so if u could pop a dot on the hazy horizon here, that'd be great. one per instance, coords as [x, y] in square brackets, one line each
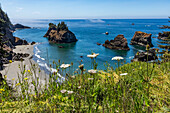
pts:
[86, 9]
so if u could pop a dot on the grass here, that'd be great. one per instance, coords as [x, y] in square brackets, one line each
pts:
[145, 88]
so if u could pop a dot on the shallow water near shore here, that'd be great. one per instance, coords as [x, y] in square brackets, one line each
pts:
[88, 33]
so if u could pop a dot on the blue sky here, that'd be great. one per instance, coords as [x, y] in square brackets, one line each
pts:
[61, 9]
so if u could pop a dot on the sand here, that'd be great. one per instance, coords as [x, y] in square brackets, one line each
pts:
[12, 70]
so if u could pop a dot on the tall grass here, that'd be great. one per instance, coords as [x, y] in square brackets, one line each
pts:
[134, 87]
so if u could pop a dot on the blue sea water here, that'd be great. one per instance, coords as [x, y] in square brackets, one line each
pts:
[88, 33]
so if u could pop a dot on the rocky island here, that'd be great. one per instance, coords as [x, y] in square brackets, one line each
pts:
[119, 43]
[141, 39]
[20, 26]
[60, 33]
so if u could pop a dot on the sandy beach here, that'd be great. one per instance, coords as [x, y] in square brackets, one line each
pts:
[12, 70]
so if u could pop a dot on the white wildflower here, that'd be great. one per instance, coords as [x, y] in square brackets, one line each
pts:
[91, 56]
[123, 74]
[79, 87]
[92, 71]
[65, 66]
[70, 92]
[117, 58]
[63, 91]
[90, 78]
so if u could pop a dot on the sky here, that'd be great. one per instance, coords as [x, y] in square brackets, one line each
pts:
[86, 9]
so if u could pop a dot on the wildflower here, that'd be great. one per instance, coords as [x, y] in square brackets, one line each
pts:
[65, 66]
[70, 92]
[79, 87]
[25, 78]
[10, 61]
[123, 74]
[29, 71]
[92, 71]
[147, 47]
[130, 89]
[96, 54]
[73, 76]
[157, 50]
[90, 78]
[137, 53]
[63, 91]
[55, 97]
[117, 58]
[5, 76]
[1, 90]
[13, 79]
[91, 56]
[17, 84]
[81, 66]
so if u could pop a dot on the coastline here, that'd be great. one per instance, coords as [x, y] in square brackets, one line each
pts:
[12, 70]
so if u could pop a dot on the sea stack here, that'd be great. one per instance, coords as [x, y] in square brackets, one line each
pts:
[119, 43]
[60, 34]
[141, 39]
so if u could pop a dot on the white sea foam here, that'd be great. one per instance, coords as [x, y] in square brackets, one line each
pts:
[37, 50]
[131, 57]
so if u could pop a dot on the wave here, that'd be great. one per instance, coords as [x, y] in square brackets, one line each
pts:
[96, 21]
[52, 70]
[147, 25]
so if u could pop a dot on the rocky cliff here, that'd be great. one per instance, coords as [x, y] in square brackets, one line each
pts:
[60, 33]
[141, 39]
[119, 43]
[8, 41]
[164, 35]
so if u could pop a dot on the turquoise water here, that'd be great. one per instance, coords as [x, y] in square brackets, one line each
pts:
[88, 33]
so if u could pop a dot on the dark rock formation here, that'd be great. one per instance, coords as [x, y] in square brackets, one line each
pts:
[32, 43]
[119, 43]
[142, 56]
[60, 33]
[98, 43]
[61, 46]
[20, 26]
[141, 39]
[19, 41]
[107, 33]
[165, 27]
[164, 36]
[20, 56]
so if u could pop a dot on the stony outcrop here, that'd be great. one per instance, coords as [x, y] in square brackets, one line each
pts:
[20, 26]
[164, 36]
[60, 33]
[142, 56]
[141, 39]
[7, 38]
[19, 41]
[119, 43]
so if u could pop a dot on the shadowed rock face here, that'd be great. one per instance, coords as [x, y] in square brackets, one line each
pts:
[141, 39]
[60, 34]
[142, 56]
[119, 43]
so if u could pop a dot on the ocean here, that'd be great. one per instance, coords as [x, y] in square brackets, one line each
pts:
[88, 33]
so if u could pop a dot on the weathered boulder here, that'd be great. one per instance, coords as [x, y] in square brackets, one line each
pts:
[32, 43]
[19, 41]
[164, 35]
[60, 34]
[142, 56]
[20, 26]
[119, 43]
[141, 39]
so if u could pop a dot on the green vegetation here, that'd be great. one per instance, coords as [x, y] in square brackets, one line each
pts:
[134, 87]
[60, 26]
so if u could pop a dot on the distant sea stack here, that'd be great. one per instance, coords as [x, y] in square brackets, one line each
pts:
[141, 39]
[60, 33]
[119, 43]
[20, 26]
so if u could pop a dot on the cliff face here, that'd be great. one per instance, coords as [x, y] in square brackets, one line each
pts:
[7, 41]
[60, 34]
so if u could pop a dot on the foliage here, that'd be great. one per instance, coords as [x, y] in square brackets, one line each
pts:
[142, 88]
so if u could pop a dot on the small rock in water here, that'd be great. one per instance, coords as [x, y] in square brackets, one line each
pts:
[107, 33]
[98, 43]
